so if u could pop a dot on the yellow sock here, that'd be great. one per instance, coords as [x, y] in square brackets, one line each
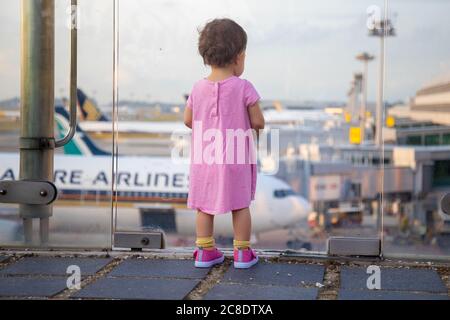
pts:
[206, 243]
[241, 244]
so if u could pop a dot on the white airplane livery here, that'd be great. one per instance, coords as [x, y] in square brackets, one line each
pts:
[93, 120]
[152, 190]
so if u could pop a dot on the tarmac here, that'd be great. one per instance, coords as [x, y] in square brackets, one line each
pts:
[170, 274]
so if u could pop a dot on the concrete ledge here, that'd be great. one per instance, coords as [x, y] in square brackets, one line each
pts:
[354, 246]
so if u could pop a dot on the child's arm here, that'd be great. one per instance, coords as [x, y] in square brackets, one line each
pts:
[188, 117]
[256, 117]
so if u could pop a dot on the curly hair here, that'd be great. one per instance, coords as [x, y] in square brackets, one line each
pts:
[221, 41]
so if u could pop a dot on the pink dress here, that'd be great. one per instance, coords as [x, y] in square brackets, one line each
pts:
[223, 163]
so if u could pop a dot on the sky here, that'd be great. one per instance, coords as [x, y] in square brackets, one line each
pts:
[297, 50]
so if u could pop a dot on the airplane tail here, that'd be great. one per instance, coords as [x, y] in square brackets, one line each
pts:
[88, 109]
[81, 143]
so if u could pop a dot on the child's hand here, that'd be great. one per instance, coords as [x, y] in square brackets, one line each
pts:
[256, 117]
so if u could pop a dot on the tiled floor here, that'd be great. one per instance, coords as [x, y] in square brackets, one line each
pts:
[151, 278]
[54, 266]
[269, 281]
[31, 286]
[228, 291]
[395, 284]
[138, 288]
[165, 268]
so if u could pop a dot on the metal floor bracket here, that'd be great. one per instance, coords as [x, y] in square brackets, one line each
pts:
[138, 240]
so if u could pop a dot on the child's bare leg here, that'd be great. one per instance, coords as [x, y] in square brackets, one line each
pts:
[205, 230]
[242, 225]
[205, 224]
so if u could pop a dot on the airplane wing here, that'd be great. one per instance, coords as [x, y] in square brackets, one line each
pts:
[154, 127]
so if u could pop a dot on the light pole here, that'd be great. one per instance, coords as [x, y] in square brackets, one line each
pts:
[365, 58]
[381, 29]
[351, 99]
[357, 79]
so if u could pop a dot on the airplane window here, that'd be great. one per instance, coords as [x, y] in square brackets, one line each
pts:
[283, 193]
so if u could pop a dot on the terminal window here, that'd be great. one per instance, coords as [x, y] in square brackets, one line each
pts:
[432, 140]
[414, 140]
[446, 138]
[441, 174]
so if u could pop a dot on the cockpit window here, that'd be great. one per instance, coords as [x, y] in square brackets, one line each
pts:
[282, 193]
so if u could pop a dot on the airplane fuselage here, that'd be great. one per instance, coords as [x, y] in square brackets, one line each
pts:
[152, 183]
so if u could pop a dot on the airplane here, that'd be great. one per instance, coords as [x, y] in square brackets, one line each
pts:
[94, 120]
[151, 192]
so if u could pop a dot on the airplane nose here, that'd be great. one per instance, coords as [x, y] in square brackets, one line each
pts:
[300, 209]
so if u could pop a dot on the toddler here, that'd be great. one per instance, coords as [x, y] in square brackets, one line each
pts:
[221, 109]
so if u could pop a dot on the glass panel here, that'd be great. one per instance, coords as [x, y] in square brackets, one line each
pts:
[446, 138]
[414, 140]
[81, 215]
[418, 97]
[9, 111]
[441, 173]
[323, 178]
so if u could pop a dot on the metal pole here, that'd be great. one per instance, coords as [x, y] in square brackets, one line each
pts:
[36, 106]
[379, 125]
[365, 58]
[358, 91]
[364, 103]
[383, 29]
[73, 77]
[379, 110]
[356, 94]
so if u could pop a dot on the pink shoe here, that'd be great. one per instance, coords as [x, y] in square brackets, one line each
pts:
[245, 258]
[207, 258]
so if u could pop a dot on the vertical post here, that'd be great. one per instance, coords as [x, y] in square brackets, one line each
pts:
[358, 93]
[36, 106]
[365, 58]
[364, 104]
[379, 126]
[382, 29]
[379, 108]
